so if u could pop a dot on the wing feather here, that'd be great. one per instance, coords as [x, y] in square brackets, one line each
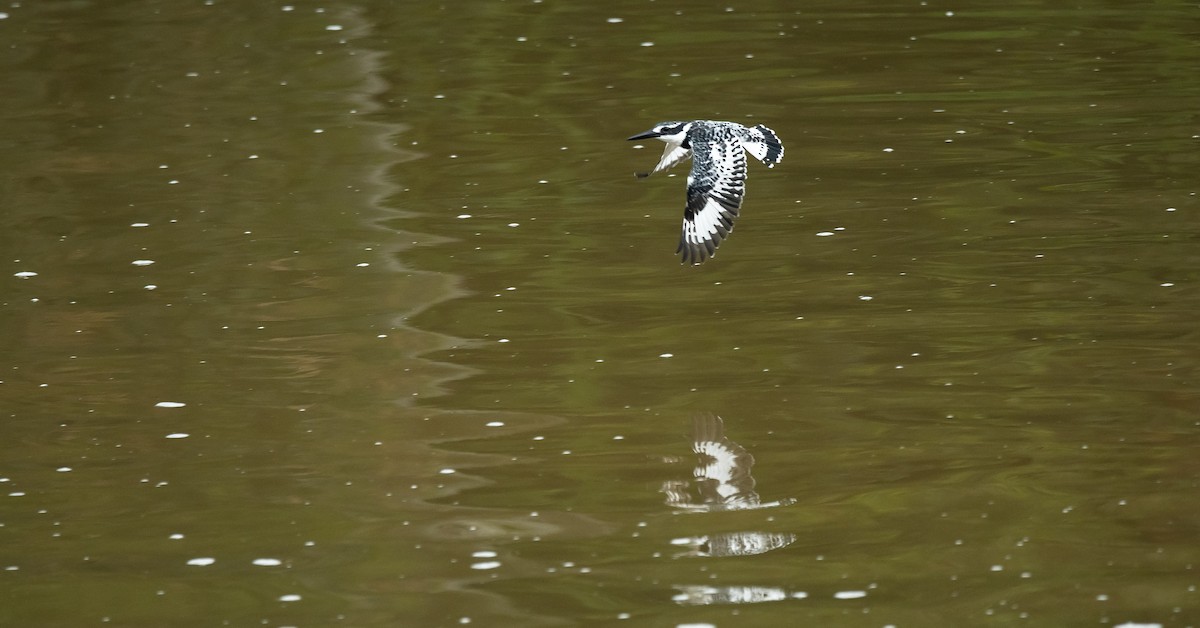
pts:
[672, 155]
[716, 187]
[763, 144]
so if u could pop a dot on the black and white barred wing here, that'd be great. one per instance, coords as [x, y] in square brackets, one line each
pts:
[763, 144]
[716, 186]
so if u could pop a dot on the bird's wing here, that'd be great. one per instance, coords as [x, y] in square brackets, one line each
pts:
[763, 144]
[724, 470]
[672, 154]
[715, 189]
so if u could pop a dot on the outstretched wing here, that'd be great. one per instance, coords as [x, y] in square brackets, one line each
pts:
[763, 144]
[716, 186]
[672, 154]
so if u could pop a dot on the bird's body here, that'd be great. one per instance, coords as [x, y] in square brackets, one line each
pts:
[716, 184]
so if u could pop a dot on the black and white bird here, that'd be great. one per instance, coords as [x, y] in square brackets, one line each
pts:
[717, 182]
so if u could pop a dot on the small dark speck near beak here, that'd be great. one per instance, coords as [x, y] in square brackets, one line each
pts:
[641, 175]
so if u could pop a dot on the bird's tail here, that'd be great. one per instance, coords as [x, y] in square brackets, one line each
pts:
[762, 142]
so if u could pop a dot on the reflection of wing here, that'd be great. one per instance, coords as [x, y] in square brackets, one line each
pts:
[723, 473]
[721, 479]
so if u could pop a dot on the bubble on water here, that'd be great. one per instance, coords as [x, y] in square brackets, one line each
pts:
[267, 562]
[142, 262]
[202, 561]
[25, 274]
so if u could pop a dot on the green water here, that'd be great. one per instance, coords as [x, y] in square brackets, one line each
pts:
[355, 314]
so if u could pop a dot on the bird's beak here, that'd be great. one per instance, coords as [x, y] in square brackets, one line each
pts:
[644, 136]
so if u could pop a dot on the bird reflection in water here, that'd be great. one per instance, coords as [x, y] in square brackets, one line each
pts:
[722, 479]
[721, 482]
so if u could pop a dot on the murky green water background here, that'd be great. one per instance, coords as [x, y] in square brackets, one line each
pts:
[352, 313]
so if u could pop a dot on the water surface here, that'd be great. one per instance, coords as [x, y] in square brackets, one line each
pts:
[354, 314]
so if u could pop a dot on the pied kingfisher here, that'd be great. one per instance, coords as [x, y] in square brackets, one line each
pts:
[717, 182]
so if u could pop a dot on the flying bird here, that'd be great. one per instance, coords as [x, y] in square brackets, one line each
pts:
[717, 181]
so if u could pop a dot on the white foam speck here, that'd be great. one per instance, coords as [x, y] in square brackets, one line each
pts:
[494, 424]
[849, 595]
[290, 597]
[177, 435]
[487, 564]
[201, 562]
[25, 274]
[666, 355]
[142, 262]
[169, 404]
[267, 562]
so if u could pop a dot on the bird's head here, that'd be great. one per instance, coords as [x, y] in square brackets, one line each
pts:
[670, 132]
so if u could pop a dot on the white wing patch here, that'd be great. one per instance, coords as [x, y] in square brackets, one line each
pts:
[672, 154]
[716, 187]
